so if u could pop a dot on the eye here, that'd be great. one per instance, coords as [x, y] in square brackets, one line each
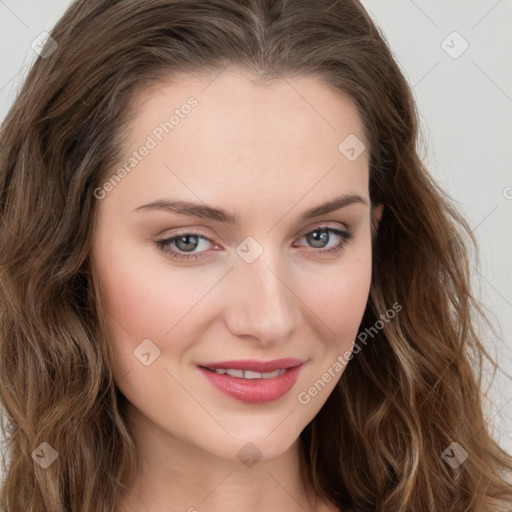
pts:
[182, 245]
[321, 236]
[186, 242]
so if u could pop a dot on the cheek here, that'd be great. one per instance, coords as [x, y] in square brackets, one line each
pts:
[338, 302]
[147, 299]
[338, 294]
[350, 298]
[133, 298]
[141, 292]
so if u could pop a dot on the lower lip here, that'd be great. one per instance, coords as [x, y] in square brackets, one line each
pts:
[254, 391]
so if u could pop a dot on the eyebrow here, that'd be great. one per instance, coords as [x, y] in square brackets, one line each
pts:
[218, 214]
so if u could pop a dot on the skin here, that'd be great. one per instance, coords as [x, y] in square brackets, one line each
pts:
[266, 153]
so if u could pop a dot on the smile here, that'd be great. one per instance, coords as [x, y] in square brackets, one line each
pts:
[253, 382]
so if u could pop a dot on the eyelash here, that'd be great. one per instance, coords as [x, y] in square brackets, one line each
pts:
[163, 245]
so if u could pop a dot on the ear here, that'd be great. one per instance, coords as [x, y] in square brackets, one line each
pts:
[376, 214]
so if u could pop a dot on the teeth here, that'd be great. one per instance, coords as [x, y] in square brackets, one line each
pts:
[253, 375]
[248, 374]
[235, 373]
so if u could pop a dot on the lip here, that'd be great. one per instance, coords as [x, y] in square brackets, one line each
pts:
[254, 391]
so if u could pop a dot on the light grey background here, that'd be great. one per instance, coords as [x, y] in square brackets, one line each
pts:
[465, 105]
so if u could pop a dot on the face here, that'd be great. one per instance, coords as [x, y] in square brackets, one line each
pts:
[212, 249]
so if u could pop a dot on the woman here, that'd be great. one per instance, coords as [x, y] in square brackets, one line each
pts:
[228, 282]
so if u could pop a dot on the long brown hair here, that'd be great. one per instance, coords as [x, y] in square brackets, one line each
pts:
[412, 391]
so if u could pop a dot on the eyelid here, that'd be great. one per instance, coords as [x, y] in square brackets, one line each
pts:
[324, 225]
[304, 231]
[190, 231]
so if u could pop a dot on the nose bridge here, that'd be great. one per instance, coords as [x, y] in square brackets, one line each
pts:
[263, 304]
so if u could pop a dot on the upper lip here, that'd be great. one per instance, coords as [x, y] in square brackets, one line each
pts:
[255, 365]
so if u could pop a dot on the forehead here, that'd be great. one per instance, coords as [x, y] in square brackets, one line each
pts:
[243, 137]
[239, 103]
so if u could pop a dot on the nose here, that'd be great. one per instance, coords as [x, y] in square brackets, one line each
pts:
[262, 304]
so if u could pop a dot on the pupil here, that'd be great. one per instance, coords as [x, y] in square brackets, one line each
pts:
[186, 240]
[319, 237]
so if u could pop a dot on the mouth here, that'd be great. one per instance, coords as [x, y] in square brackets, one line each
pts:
[253, 381]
